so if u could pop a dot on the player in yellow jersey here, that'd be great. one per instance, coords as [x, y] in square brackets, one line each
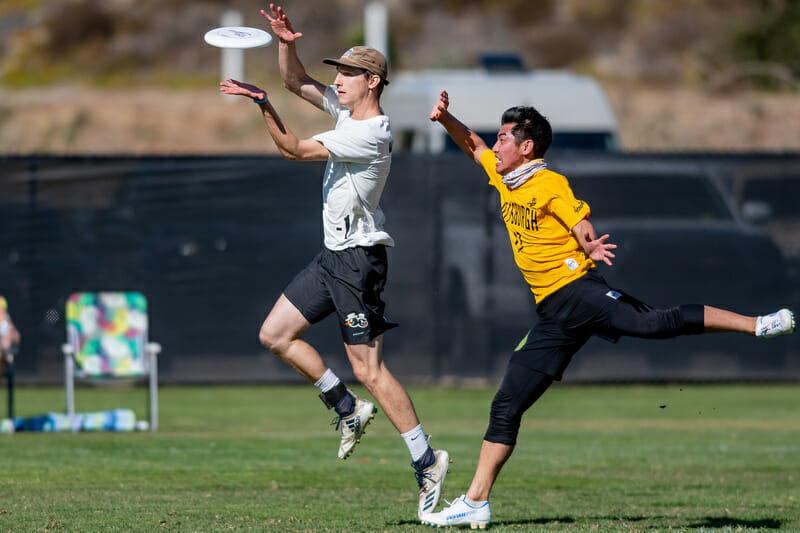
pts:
[555, 247]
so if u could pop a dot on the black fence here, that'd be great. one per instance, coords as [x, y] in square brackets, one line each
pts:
[212, 241]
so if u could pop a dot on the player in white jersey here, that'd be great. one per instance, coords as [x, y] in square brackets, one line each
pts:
[347, 277]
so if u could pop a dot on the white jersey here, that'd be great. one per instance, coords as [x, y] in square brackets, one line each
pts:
[358, 165]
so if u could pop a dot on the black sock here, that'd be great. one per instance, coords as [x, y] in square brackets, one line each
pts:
[339, 398]
[426, 460]
[346, 405]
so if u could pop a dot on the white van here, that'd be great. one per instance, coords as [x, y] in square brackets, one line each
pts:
[575, 105]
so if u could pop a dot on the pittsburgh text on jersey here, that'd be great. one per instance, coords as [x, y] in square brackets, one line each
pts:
[520, 215]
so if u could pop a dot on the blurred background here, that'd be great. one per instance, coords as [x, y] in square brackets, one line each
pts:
[118, 76]
[122, 167]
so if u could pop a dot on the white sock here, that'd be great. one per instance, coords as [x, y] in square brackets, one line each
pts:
[416, 441]
[328, 381]
[473, 503]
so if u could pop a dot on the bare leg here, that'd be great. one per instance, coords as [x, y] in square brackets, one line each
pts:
[491, 460]
[369, 369]
[720, 320]
[280, 333]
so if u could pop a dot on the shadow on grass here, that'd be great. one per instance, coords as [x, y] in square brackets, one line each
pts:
[716, 522]
[708, 522]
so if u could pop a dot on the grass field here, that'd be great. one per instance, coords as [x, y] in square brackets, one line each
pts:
[263, 458]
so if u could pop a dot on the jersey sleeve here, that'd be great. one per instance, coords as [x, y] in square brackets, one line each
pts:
[330, 102]
[488, 161]
[563, 204]
[346, 146]
[358, 141]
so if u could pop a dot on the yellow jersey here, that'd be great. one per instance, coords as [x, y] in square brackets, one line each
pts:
[539, 216]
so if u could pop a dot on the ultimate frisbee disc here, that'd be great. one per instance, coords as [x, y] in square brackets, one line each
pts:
[238, 37]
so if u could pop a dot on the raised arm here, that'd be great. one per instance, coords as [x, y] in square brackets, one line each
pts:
[289, 145]
[292, 70]
[466, 139]
[596, 248]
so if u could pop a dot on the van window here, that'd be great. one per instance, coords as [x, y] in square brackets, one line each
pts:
[781, 193]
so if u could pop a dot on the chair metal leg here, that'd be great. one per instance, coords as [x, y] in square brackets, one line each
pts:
[153, 397]
[69, 380]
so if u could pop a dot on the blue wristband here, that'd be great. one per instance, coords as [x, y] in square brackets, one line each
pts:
[264, 101]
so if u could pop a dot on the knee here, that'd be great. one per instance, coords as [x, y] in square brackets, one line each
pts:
[504, 420]
[272, 339]
[366, 374]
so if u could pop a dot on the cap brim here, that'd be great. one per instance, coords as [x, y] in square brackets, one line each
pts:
[331, 61]
[339, 62]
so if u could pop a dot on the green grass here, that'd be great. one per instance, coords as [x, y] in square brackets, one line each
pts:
[262, 458]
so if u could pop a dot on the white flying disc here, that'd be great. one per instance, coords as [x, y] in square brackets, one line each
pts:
[238, 37]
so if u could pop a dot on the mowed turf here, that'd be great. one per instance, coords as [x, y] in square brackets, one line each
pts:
[263, 458]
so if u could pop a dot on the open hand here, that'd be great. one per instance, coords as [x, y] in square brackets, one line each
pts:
[440, 107]
[281, 26]
[231, 86]
[599, 249]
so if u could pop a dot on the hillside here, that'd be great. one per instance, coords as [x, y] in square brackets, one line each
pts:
[114, 76]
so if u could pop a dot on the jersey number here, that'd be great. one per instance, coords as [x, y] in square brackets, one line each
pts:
[518, 241]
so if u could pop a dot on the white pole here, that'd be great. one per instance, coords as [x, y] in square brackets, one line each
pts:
[376, 26]
[232, 58]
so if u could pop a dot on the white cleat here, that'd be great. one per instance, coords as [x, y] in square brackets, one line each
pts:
[353, 426]
[460, 513]
[431, 481]
[778, 323]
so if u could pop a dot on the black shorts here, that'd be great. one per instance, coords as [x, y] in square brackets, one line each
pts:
[588, 306]
[349, 282]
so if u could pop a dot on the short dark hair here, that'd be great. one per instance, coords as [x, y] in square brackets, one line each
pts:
[529, 125]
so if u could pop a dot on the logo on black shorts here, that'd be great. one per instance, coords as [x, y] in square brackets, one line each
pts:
[356, 320]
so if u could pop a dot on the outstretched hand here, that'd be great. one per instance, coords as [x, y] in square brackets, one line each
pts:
[598, 249]
[440, 107]
[281, 26]
[231, 86]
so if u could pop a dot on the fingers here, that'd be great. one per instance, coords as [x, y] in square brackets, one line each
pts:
[440, 106]
[272, 19]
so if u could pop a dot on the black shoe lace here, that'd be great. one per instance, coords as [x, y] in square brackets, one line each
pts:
[421, 475]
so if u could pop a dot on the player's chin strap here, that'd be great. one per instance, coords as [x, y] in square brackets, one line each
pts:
[517, 177]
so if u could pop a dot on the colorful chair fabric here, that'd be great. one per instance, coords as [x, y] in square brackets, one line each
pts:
[107, 339]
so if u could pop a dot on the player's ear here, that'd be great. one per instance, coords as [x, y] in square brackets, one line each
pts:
[374, 81]
[527, 147]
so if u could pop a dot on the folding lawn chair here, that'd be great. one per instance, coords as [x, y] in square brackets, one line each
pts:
[106, 340]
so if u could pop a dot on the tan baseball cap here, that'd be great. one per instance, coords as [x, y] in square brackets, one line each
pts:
[362, 57]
